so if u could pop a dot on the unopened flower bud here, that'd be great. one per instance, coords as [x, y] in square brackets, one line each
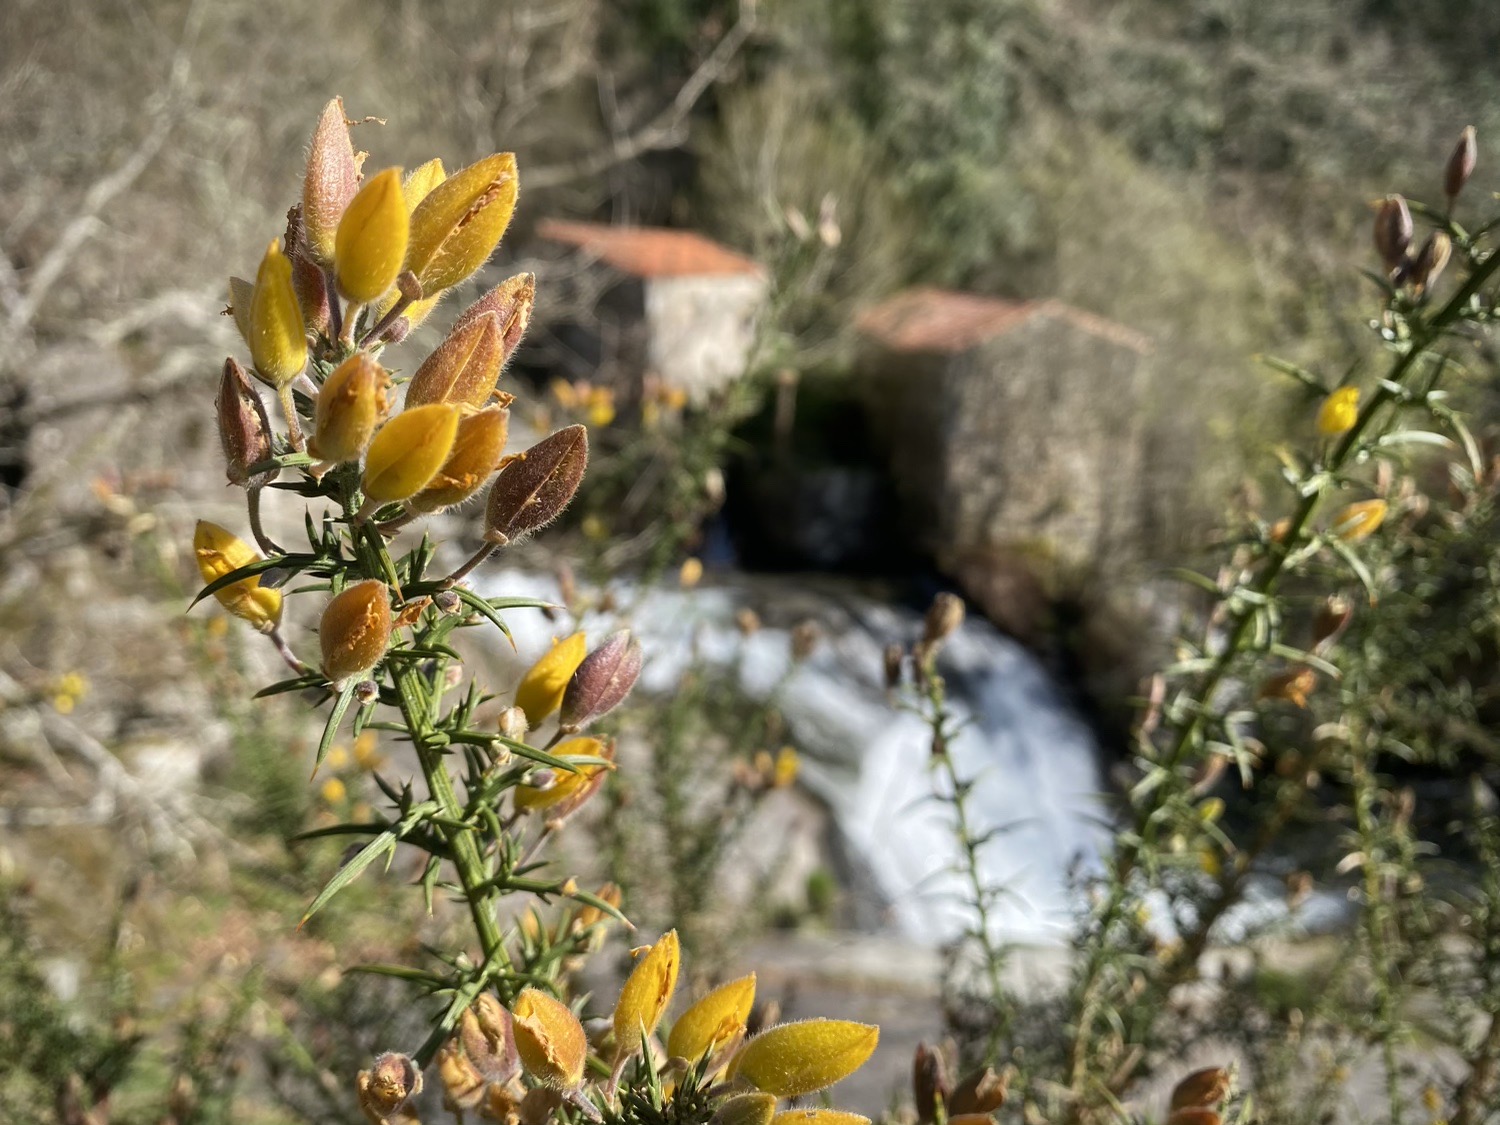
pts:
[943, 618]
[1331, 620]
[1359, 520]
[512, 301]
[513, 724]
[1206, 1087]
[463, 369]
[929, 1082]
[550, 1039]
[1430, 261]
[370, 245]
[799, 1058]
[981, 1091]
[477, 449]
[460, 222]
[331, 179]
[1339, 412]
[1460, 164]
[407, 452]
[828, 1117]
[447, 602]
[602, 681]
[388, 1085]
[278, 345]
[1393, 230]
[531, 492]
[463, 1085]
[244, 429]
[489, 1039]
[355, 630]
[646, 994]
[1193, 1115]
[218, 552]
[308, 281]
[351, 404]
[545, 683]
[746, 1109]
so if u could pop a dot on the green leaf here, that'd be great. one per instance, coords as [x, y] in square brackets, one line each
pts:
[474, 601]
[385, 842]
[330, 729]
[259, 566]
[281, 687]
[1356, 564]
[431, 981]
[1301, 374]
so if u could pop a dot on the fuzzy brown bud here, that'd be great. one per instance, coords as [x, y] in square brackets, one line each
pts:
[531, 492]
[1460, 164]
[929, 1082]
[489, 1040]
[944, 617]
[983, 1091]
[244, 429]
[1430, 261]
[462, 370]
[1206, 1087]
[1393, 231]
[355, 630]
[512, 301]
[388, 1086]
[1331, 620]
[331, 179]
[602, 681]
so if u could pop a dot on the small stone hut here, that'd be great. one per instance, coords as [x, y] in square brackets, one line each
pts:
[1013, 429]
[671, 304]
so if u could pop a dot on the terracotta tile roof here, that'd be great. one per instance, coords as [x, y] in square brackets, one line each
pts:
[649, 251]
[946, 322]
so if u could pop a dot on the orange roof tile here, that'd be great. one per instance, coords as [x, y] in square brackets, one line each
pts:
[649, 251]
[943, 321]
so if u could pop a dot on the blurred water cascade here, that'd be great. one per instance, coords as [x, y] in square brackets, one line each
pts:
[1032, 757]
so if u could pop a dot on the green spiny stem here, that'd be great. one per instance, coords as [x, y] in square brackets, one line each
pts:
[1143, 836]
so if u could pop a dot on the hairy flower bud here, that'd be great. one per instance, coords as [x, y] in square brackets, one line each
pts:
[793, 1059]
[1193, 1115]
[746, 1109]
[550, 1039]
[388, 1085]
[308, 282]
[463, 1085]
[929, 1082]
[981, 1091]
[355, 630]
[513, 724]
[489, 1039]
[218, 552]
[531, 492]
[477, 450]
[542, 689]
[646, 993]
[714, 1022]
[463, 369]
[331, 179]
[512, 301]
[1430, 261]
[351, 404]
[1206, 1087]
[460, 222]
[408, 451]
[370, 245]
[1393, 230]
[244, 429]
[1339, 412]
[278, 345]
[602, 681]
[818, 1117]
[1460, 164]
[1359, 520]
[944, 617]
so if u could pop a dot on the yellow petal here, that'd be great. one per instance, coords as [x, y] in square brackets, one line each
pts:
[567, 788]
[408, 451]
[541, 690]
[1339, 412]
[420, 181]
[460, 222]
[218, 552]
[476, 454]
[278, 345]
[371, 240]
[792, 1059]
[1359, 520]
[549, 1039]
[819, 1117]
[646, 994]
[713, 1021]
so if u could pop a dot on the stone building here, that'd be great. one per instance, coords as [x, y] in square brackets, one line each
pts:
[1014, 433]
[665, 303]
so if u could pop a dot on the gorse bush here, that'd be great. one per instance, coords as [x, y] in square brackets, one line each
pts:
[1346, 652]
[364, 259]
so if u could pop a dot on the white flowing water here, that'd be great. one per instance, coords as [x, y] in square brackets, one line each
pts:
[1033, 761]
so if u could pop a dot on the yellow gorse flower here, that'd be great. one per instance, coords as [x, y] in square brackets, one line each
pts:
[460, 222]
[646, 994]
[541, 690]
[1358, 520]
[371, 242]
[278, 344]
[819, 1117]
[1339, 412]
[476, 453]
[408, 451]
[218, 552]
[714, 1021]
[793, 1059]
[567, 788]
[549, 1039]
